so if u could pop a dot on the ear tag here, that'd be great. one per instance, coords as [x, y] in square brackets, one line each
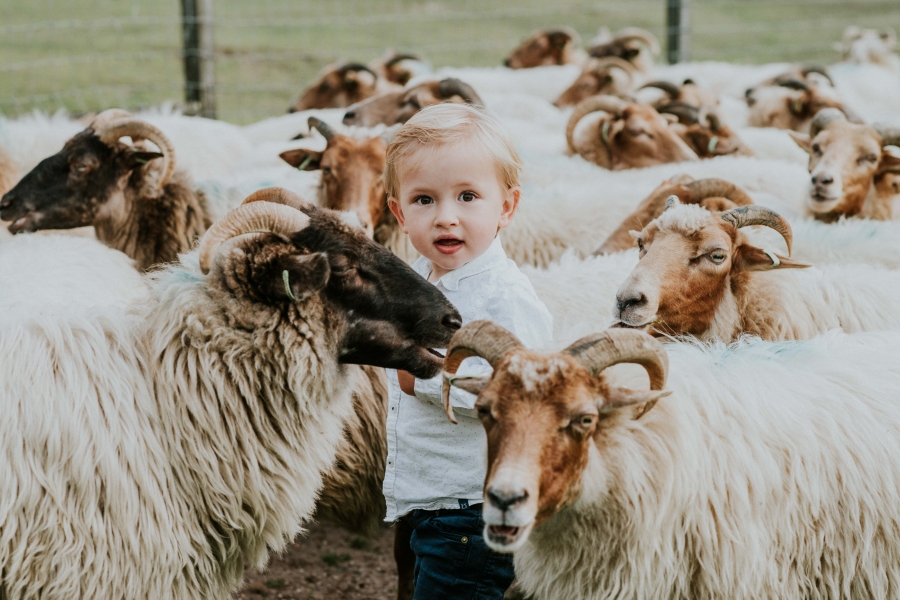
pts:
[140, 161]
[287, 285]
[797, 106]
[713, 142]
[303, 165]
[604, 133]
[776, 262]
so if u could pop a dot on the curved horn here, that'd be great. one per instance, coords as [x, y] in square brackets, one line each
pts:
[823, 118]
[714, 123]
[609, 62]
[400, 57]
[820, 70]
[707, 188]
[569, 31]
[277, 195]
[610, 104]
[354, 67]
[759, 215]
[890, 135]
[636, 33]
[789, 81]
[478, 338]
[451, 86]
[322, 127]
[668, 87]
[685, 112]
[602, 350]
[108, 115]
[258, 217]
[110, 132]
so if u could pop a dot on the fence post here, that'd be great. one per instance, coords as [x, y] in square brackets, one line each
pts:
[678, 30]
[199, 58]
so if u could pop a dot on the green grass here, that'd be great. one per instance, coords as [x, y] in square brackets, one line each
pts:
[335, 559]
[85, 55]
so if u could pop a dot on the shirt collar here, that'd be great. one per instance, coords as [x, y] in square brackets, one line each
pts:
[491, 258]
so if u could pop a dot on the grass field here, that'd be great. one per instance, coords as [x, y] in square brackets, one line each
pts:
[85, 55]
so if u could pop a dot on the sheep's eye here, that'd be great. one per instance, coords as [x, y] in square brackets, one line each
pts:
[867, 158]
[586, 420]
[717, 257]
[484, 413]
[640, 245]
[816, 149]
[326, 171]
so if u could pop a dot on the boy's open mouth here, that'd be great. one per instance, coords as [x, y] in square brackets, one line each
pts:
[448, 244]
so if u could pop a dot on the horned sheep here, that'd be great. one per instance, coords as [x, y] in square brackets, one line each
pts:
[748, 471]
[547, 47]
[400, 105]
[133, 195]
[190, 428]
[340, 85]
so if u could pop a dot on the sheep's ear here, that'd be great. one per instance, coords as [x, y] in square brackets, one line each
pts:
[798, 105]
[139, 158]
[801, 139]
[619, 398]
[634, 234]
[670, 118]
[302, 275]
[890, 160]
[473, 385]
[303, 159]
[751, 258]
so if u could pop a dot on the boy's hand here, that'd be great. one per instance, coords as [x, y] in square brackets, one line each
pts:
[407, 383]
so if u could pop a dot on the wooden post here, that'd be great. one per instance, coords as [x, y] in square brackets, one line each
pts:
[199, 58]
[678, 30]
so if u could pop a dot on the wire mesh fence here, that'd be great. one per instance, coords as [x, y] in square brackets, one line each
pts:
[86, 55]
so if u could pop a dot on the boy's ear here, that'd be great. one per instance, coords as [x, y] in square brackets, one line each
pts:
[394, 205]
[510, 206]
[751, 258]
[303, 159]
[302, 275]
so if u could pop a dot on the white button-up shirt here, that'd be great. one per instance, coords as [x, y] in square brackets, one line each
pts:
[432, 463]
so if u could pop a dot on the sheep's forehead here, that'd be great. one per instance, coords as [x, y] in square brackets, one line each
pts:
[687, 219]
[533, 371]
[846, 136]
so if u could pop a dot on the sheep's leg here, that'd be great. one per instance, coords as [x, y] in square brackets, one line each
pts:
[405, 558]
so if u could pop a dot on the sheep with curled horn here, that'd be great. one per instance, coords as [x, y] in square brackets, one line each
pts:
[197, 405]
[547, 47]
[637, 46]
[341, 84]
[609, 75]
[698, 274]
[711, 194]
[791, 100]
[854, 168]
[398, 68]
[688, 93]
[703, 131]
[131, 193]
[399, 106]
[604, 491]
[628, 135]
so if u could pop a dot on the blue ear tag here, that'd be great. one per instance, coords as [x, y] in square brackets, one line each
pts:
[775, 260]
[604, 134]
[287, 285]
[304, 164]
[140, 161]
[713, 142]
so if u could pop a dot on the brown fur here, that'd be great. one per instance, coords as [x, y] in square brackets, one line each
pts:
[543, 48]
[853, 155]
[640, 137]
[596, 78]
[399, 106]
[774, 104]
[337, 87]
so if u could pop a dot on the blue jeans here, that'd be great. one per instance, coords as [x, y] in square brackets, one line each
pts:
[452, 560]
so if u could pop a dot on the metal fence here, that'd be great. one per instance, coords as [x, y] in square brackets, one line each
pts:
[85, 55]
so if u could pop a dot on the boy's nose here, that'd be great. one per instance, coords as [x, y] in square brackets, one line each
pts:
[446, 214]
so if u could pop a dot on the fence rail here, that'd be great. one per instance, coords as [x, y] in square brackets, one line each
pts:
[86, 55]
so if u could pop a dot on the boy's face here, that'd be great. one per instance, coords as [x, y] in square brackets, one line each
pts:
[451, 204]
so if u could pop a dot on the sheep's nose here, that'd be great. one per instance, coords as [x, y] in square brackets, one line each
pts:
[451, 321]
[349, 116]
[506, 63]
[822, 179]
[630, 301]
[292, 110]
[6, 201]
[504, 499]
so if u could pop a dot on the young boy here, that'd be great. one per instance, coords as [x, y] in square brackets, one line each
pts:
[452, 180]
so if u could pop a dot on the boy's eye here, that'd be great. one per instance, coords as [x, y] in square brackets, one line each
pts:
[423, 200]
[467, 196]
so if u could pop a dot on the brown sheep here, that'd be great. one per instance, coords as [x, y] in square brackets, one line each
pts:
[340, 85]
[637, 46]
[399, 106]
[547, 47]
[608, 75]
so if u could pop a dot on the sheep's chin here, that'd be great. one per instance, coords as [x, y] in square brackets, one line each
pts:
[819, 204]
[504, 538]
[624, 325]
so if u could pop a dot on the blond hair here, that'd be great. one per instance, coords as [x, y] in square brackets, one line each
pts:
[450, 123]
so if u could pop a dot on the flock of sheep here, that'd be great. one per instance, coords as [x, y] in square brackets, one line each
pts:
[178, 381]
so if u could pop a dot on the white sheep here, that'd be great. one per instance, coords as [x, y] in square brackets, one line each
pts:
[151, 449]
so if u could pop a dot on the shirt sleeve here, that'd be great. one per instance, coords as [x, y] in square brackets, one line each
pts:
[515, 307]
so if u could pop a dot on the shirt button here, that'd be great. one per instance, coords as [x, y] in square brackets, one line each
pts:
[393, 407]
[464, 539]
[390, 462]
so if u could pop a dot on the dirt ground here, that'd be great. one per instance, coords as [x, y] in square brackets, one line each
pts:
[328, 564]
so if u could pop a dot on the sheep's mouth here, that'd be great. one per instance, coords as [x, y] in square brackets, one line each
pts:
[624, 325]
[25, 223]
[504, 536]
